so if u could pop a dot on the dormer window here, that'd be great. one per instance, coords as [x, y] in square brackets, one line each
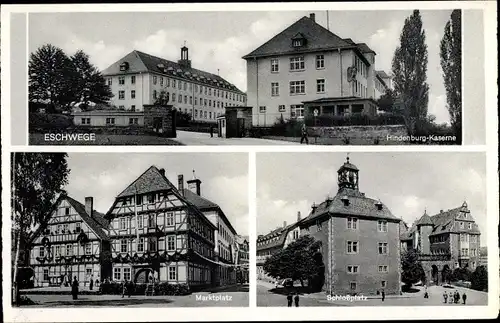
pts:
[345, 200]
[124, 66]
[298, 41]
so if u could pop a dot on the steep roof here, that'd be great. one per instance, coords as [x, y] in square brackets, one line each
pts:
[424, 220]
[359, 206]
[142, 62]
[382, 74]
[95, 221]
[280, 233]
[318, 38]
[364, 48]
[149, 181]
[198, 201]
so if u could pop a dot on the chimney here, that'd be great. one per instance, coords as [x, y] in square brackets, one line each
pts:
[379, 205]
[180, 184]
[314, 207]
[162, 171]
[328, 201]
[89, 205]
[284, 224]
[194, 185]
[298, 216]
[312, 16]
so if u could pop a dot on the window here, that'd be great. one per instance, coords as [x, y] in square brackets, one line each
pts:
[383, 269]
[382, 248]
[110, 81]
[352, 269]
[121, 95]
[185, 97]
[297, 63]
[69, 250]
[140, 245]
[152, 244]
[470, 226]
[297, 87]
[126, 273]
[320, 86]
[161, 81]
[151, 198]
[155, 79]
[210, 115]
[281, 108]
[275, 89]
[382, 226]
[123, 245]
[173, 97]
[117, 274]
[173, 83]
[461, 225]
[352, 223]
[151, 221]
[85, 120]
[132, 94]
[110, 121]
[383, 284]
[132, 79]
[138, 200]
[45, 274]
[133, 121]
[353, 285]
[190, 100]
[205, 114]
[155, 94]
[78, 227]
[275, 68]
[41, 252]
[123, 224]
[88, 249]
[297, 42]
[352, 247]
[140, 222]
[185, 86]
[172, 273]
[262, 109]
[121, 80]
[320, 61]
[170, 243]
[297, 110]
[121, 107]
[196, 113]
[58, 250]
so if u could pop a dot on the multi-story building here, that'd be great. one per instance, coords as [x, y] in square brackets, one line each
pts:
[274, 241]
[156, 232]
[243, 259]
[138, 79]
[72, 243]
[359, 239]
[225, 235]
[306, 68]
[445, 241]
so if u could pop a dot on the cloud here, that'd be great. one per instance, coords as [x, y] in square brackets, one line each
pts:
[101, 54]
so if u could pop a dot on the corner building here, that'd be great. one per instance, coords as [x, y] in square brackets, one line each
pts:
[359, 240]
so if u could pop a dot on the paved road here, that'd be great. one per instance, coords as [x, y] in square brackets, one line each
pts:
[267, 298]
[235, 296]
[203, 139]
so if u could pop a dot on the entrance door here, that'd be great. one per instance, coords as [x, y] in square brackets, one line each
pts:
[143, 276]
[157, 124]
[241, 127]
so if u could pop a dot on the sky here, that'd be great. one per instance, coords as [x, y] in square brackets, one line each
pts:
[217, 40]
[224, 178]
[407, 183]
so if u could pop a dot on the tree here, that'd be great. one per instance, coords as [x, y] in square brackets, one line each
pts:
[50, 77]
[479, 279]
[412, 270]
[298, 261]
[387, 100]
[460, 274]
[183, 118]
[409, 67]
[90, 85]
[451, 63]
[37, 180]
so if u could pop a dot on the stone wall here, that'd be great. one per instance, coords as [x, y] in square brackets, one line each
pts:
[359, 132]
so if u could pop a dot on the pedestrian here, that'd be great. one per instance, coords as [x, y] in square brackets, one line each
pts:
[383, 295]
[289, 299]
[276, 283]
[129, 288]
[445, 296]
[464, 298]
[74, 288]
[457, 297]
[304, 135]
[451, 297]
[124, 288]
[91, 285]
[211, 131]
[97, 282]
[296, 299]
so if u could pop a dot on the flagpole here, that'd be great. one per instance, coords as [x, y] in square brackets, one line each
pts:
[327, 21]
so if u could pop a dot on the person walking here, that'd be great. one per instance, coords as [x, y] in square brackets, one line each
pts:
[445, 296]
[426, 294]
[74, 288]
[451, 297]
[289, 299]
[304, 135]
[91, 285]
[124, 288]
[464, 298]
[129, 288]
[383, 295]
[296, 299]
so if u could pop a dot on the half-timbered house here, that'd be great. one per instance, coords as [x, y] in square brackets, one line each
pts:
[72, 243]
[157, 235]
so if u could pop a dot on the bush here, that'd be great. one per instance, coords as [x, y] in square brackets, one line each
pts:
[355, 120]
[172, 289]
[460, 274]
[286, 128]
[479, 279]
[48, 121]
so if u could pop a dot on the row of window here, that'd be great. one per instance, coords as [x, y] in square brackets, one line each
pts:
[297, 63]
[354, 269]
[65, 228]
[352, 247]
[171, 244]
[352, 224]
[126, 222]
[225, 234]
[88, 274]
[183, 85]
[465, 225]
[224, 253]
[63, 250]
[354, 285]
[296, 110]
[361, 66]
[465, 252]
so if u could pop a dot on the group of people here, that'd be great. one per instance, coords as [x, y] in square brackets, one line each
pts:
[454, 298]
[291, 298]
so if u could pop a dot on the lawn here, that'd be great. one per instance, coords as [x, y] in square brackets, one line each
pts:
[336, 141]
[104, 139]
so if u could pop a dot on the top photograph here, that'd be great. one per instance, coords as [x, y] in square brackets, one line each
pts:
[245, 78]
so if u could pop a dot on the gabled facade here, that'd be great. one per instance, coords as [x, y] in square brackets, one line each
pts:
[73, 243]
[304, 63]
[359, 239]
[138, 78]
[156, 232]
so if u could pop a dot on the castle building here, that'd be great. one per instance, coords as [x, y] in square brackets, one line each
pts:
[307, 68]
[445, 241]
[156, 232]
[273, 242]
[73, 242]
[359, 239]
[138, 79]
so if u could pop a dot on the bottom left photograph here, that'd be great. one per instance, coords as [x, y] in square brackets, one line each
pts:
[129, 229]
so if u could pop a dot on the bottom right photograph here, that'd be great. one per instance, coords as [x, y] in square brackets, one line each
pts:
[371, 229]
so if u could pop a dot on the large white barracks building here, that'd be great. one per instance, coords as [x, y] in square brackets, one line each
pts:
[305, 68]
